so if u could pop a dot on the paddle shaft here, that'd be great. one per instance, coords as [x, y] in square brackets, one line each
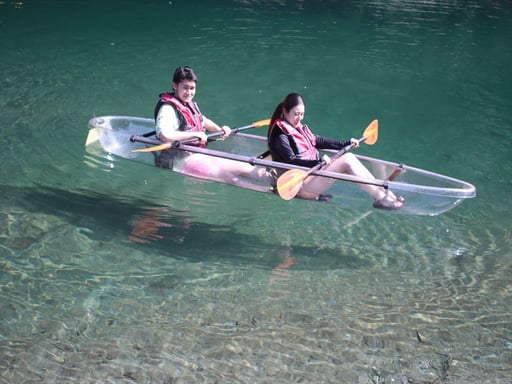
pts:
[177, 143]
[144, 138]
[398, 171]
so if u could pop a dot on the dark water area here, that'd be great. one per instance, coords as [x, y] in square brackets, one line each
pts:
[115, 272]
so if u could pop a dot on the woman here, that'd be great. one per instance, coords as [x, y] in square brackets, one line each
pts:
[178, 117]
[292, 142]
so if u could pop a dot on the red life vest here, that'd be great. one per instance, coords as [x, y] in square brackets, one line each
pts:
[192, 118]
[302, 140]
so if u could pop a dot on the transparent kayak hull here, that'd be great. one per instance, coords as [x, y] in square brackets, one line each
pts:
[426, 193]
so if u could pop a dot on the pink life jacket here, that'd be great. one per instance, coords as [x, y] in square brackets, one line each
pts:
[304, 141]
[193, 119]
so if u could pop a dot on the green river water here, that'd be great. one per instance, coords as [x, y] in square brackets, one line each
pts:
[115, 272]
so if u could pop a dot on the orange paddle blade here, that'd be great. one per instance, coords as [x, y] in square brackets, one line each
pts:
[261, 123]
[290, 182]
[160, 147]
[371, 133]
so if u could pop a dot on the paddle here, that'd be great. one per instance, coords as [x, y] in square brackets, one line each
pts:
[211, 137]
[290, 182]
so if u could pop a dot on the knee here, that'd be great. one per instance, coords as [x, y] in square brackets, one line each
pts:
[346, 160]
[349, 157]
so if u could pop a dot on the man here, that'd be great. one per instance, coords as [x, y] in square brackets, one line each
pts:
[178, 117]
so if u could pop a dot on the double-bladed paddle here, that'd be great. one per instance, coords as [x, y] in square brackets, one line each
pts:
[290, 182]
[212, 136]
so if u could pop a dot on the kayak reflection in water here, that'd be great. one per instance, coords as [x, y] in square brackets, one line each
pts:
[178, 117]
[292, 142]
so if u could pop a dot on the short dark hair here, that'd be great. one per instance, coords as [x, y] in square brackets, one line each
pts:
[184, 73]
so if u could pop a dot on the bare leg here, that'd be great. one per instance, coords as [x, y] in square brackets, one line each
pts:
[227, 171]
[349, 164]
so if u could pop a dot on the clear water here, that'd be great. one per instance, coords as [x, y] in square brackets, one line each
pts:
[112, 271]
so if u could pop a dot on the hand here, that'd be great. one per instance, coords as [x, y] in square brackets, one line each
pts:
[227, 131]
[354, 142]
[201, 136]
[326, 159]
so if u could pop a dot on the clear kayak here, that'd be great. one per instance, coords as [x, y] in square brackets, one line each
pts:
[425, 193]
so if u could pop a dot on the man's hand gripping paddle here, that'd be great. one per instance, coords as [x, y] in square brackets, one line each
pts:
[164, 146]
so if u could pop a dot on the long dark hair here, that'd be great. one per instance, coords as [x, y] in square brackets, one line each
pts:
[290, 101]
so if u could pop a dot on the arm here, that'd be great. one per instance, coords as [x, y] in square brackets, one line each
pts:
[211, 126]
[327, 143]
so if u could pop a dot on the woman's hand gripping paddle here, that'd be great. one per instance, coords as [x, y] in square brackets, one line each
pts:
[164, 146]
[290, 182]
